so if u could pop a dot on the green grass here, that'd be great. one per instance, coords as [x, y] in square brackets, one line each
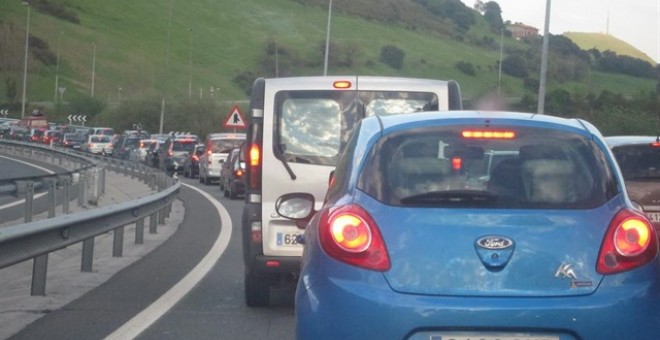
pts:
[228, 37]
[604, 42]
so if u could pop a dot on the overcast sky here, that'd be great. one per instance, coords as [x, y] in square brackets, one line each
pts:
[634, 21]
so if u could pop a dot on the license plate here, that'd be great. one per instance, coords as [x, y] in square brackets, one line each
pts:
[288, 240]
[491, 336]
[654, 217]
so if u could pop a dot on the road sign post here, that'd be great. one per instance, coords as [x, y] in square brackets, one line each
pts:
[235, 119]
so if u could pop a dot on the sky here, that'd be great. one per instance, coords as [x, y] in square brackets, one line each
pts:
[633, 21]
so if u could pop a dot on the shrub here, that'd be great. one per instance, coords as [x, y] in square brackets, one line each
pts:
[466, 68]
[393, 56]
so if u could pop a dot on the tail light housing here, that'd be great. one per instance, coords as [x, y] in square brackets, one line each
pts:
[254, 161]
[238, 173]
[630, 242]
[350, 235]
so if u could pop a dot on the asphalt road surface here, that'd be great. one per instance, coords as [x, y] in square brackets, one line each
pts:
[138, 300]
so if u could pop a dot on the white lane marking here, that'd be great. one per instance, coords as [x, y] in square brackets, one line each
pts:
[15, 203]
[134, 327]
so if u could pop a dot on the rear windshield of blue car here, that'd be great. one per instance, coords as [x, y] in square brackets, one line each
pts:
[507, 167]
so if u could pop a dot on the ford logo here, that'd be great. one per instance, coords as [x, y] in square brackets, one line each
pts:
[494, 242]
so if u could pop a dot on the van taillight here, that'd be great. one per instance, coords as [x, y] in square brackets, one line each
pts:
[255, 162]
[630, 242]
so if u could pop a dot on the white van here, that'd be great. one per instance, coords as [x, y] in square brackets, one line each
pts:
[216, 151]
[297, 130]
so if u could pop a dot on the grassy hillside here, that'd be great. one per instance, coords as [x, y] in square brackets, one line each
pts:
[604, 42]
[225, 38]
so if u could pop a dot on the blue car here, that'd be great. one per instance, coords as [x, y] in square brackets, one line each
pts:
[475, 225]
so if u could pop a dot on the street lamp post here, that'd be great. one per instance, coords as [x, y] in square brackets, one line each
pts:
[327, 40]
[57, 68]
[25, 67]
[544, 60]
[190, 65]
[499, 72]
[167, 67]
[93, 67]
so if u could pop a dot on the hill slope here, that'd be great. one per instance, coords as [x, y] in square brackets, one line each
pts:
[604, 42]
[141, 52]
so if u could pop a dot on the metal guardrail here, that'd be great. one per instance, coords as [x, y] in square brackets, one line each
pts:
[35, 240]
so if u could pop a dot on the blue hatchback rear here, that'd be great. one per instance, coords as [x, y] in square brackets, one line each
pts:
[476, 225]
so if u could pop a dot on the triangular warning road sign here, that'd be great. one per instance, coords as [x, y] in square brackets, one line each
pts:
[235, 119]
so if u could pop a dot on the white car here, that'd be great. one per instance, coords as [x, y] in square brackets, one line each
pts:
[98, 144]
[218, 146]
[140, 153]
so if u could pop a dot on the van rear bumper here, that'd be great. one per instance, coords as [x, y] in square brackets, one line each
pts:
[276, 264]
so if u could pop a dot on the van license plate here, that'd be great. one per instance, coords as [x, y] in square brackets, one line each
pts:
[288, 240]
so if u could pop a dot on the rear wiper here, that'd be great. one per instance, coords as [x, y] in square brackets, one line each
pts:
[451, 196]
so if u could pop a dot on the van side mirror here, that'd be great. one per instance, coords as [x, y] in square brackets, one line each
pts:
[297, 206]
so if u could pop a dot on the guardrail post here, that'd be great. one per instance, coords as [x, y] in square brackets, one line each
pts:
[118, 242]
[26, 188]
[87, 255]
[153, 223]
[66, 191]
[102, 181]
[81, 189]
[52, 188]
[139, 231]
[161, 215]
[39, 271]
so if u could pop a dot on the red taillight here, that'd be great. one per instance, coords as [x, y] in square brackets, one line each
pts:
[488, 134]
[254, 156]
[349, 234]
[630, 242]
[238, 173]
[456, 163]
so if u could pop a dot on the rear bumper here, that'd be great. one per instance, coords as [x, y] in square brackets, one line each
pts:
[616, 310]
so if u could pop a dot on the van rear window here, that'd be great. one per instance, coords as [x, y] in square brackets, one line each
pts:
[314, 126]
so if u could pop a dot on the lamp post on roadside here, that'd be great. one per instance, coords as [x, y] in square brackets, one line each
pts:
[57, 68]
[93, 66]
[499, 72]
[327, 40]
[190, 65]
[544, 60]
[27, 43]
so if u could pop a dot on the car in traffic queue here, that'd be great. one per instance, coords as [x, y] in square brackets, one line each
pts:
[72, 141]
[297, 128]
[414, 240]
[124, 145]
[639, 160]
[174, 152]
[51, 137]
[191, 163]
[232, 173]
[217, 148]
[98, 144]
[139, 154]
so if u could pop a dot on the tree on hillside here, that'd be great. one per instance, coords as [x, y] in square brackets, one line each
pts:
[493, 14]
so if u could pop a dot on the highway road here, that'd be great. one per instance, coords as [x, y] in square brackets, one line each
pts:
[202, 260]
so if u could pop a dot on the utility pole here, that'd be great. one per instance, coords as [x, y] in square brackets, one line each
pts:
[327, 41]
[544, 60]
[27, 43]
